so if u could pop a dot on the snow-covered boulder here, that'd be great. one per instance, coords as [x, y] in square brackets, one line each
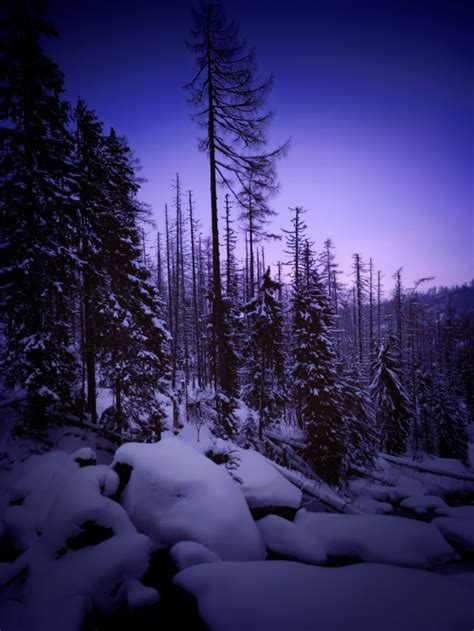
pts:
[377, 538]
[176, 494]
[264, 488]
[457, 526]
[421, 504]
[83, 513]
[188, 553]
[456, 530]
[33, 491]
[285, 539]
[460, 512]
[60, 592]
[370, 506]
[282, 595]
[88, 557]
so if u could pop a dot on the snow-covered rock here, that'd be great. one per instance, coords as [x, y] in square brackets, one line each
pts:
[405, 487]
[282, 595]
[421, 504]
[458, 531]
[175, 494]
[461, 512]
[83, 509]
[264, 486]
[371, 506]
[59, 592]
[188, 553]
[287, 540]
[377, 538]
[457, 526]
[33, 490]
[88, 557]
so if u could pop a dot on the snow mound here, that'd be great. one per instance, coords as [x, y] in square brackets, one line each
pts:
[421, 504]
[377, 538]
[282, 595]
[82, 511]
[33, 490]
[88, 557]
[175, 494]
[406, 487]
[287, 540]
[188, 553]
[59, 592]
[457, 526]
[461, 512]
[262, 484]
[369, 505]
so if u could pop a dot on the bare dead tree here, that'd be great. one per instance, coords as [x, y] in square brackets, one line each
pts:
[229, 105]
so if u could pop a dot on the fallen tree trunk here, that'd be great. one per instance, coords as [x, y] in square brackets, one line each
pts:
[298, 476]
[403, 462]
[102, 431]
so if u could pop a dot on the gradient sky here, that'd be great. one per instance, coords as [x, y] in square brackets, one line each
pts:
[376, 96]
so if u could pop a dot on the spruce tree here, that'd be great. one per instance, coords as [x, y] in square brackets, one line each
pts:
[264, 390]
[134, 354]
[93, 230]
[392, 406]
[451, 427]
[317, 383]
[362, 438]
[36, 214]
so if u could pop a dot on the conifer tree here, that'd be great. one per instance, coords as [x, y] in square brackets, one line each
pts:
[450, 422]
[392, 406]
[134, 353]
[92, 224]
[36, 215]
[264, 353]
[316, 381]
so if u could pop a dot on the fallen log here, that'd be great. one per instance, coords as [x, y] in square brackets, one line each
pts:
[404, 462]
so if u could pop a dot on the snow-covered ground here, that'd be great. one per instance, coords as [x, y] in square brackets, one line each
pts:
[281, 595]
[81, 521]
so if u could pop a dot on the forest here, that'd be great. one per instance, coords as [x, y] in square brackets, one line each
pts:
[348, 367]
[132, 327]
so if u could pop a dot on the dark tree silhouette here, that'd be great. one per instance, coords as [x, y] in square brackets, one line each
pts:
[229, 103]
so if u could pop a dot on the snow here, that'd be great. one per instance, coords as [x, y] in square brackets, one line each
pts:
[436, 465]
[283, 595]
[456, 530]
[457, 526]
[421, 504]
[262, 484]
[368, 505]
[462, 512]
[188, 553]
[32, 492]
[377, 538]
[287, 540]
[83, 498]
[59, 592]
[175, 494]
[68, 569]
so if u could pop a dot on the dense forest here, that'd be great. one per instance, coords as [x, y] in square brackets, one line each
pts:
[96, 297]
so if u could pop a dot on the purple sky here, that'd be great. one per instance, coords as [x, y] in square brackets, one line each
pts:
[377, 97]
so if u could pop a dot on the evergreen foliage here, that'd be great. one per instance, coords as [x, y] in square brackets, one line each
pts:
[36, 214]
[317, 383]
[391, 402]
